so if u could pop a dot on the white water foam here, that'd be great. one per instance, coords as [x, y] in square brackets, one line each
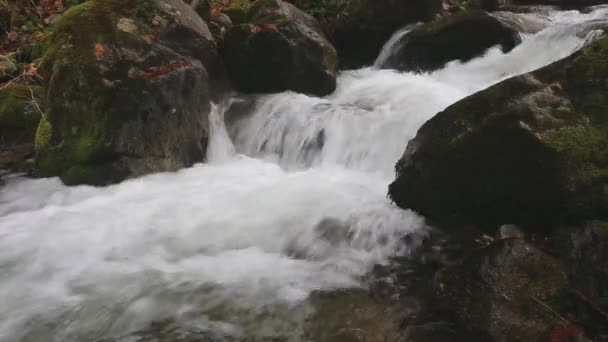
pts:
[297, 204]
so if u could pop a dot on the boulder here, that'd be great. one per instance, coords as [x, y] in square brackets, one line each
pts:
[129, 91]
[504, 291]
[459, 37]
[530, 150]
[365, 25]
[20, 111]
[278, 48]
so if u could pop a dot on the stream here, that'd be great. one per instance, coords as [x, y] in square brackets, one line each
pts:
[291, 202]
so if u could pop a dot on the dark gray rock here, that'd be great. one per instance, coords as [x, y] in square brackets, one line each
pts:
[365, 25]
[530, 150]
[279, 48]
[459, 37]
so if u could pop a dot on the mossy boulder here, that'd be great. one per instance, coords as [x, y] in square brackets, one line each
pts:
[278, 48]
[458, 37]
[20, 112]
[365, 25]
[129, 91]
[531, 150]
[503, 291]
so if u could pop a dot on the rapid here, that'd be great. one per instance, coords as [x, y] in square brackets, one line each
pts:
[291, 201]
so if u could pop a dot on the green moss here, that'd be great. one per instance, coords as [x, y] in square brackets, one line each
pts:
[43, 133]
[80, 114]
[17, 108]
[257, 12]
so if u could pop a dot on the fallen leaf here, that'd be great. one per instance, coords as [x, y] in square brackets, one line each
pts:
[100, 50]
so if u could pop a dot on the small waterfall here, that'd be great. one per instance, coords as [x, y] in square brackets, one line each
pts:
[297, 204]
[390, 46]
[220, 148]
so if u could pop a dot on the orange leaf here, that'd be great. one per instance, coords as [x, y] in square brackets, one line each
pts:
[100, 50]
[270, 26]
[31, 71]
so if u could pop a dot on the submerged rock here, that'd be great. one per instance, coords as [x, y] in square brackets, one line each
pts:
[350, 316]
[530, 150]
[365, 25]
[459, 37]
[128, 94]
[275, 47]
[504, 290]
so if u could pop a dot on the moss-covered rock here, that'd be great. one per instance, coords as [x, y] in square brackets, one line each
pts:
[20, 111]
[531, 150]
[365, 25]
[127, 92]
[7, 68]
[278, 48]
[459, 37]
[504, 290]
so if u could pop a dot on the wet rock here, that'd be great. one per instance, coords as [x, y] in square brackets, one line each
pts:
[365, 25]
[460, 37]
[129, 91]
[504, 290]
[166, 331]
[350, 316]
[7, 68]
[277, 48]
[529, 150]
[333, 230]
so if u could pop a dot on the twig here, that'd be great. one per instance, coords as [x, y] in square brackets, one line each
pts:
[34, 99]
[586, 299]
[550, 309]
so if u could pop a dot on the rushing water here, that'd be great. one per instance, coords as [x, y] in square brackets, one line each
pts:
[293, 200]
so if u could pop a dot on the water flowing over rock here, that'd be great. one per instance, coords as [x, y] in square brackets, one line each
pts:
[461, 37]
[128, 94]
[279, 48]
[285, 234]
[530, 150]
[365, 25]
